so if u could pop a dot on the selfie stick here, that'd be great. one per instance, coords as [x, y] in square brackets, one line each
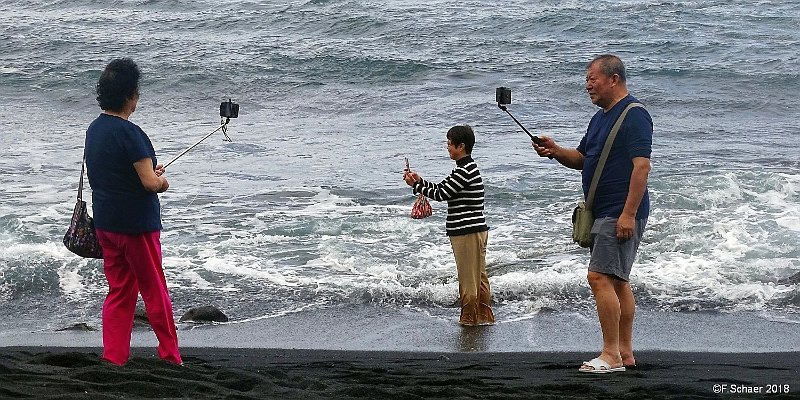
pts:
[535, 139]
[224, 129]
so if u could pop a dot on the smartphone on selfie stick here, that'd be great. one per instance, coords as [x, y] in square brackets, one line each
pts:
[503, 97]
[227, 110]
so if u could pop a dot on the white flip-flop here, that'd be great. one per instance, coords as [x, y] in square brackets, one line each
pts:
[598, 366]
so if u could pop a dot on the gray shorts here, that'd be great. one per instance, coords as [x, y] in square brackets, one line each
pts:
[609, 256]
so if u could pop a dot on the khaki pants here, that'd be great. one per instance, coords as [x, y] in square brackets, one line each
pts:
[473, 283]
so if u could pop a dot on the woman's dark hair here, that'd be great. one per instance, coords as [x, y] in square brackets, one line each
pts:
[118, 83]
[462, 134]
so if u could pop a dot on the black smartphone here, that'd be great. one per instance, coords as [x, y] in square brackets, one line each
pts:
[503, 95]
[228, 109]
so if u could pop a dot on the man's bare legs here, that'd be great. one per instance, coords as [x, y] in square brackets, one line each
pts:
[627, 307]
[615, 310]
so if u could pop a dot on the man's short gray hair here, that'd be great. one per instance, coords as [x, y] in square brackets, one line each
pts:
[610, 65]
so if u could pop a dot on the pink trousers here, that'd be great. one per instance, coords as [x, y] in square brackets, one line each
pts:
[132, 264]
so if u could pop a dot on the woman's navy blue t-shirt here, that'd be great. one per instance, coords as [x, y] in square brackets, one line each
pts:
[119, 201]
[634, 139]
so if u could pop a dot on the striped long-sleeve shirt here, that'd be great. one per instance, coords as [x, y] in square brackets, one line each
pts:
[463, 191]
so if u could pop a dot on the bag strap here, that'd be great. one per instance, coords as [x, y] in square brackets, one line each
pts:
[80, 184]
[604, 154]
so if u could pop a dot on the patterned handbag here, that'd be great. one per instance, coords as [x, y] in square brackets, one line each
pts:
[81, 237]
[422, 208]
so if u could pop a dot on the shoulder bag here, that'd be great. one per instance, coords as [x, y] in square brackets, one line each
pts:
[81, 237]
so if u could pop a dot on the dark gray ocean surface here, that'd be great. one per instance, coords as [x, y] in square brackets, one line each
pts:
[306, 209]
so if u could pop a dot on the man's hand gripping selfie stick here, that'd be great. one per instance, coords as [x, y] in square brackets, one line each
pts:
[227, 110]
[503, 95]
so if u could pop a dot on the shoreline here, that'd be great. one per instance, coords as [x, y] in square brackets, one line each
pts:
[241, 373]
[359, 328]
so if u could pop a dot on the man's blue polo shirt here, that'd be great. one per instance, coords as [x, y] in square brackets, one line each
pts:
[634, 139]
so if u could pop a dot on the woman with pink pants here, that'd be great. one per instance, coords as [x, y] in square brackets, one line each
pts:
[125, 180]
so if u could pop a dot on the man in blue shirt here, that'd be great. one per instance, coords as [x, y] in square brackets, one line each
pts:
[620, 207]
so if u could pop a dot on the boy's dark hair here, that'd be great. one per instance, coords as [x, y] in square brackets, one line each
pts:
[462, 134]
[118, 83]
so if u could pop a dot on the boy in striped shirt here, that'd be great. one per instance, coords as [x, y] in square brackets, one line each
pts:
[466, 226]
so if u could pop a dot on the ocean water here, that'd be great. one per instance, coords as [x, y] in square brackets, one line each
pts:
[305, 209]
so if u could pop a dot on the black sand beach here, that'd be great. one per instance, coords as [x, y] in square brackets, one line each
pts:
[223, 373]
[374, 353]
